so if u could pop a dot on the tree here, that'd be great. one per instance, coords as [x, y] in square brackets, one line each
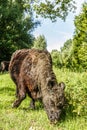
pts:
[53, 8]
[15, 27]
[40, 43]
[80, 40]
[66, 45]
[66, 52]
[17, 23]
[56, 58]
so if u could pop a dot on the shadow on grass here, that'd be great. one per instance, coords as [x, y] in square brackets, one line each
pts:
[67, 113]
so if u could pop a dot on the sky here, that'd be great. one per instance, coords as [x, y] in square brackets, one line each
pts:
[58, 33]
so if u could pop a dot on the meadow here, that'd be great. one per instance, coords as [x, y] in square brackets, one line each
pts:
[74, 115]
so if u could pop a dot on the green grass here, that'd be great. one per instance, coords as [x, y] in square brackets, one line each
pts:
[23, 118]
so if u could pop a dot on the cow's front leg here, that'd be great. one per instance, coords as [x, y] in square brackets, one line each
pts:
[17, 92]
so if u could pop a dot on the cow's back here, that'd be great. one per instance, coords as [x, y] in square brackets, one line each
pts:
[33, 67]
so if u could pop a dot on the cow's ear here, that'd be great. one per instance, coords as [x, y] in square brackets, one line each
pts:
[62, 85]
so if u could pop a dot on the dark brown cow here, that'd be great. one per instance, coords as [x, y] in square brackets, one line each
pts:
[31, 70]
[4, 66]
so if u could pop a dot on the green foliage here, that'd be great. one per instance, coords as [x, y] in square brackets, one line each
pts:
[76, 91]
[66, 52]
[53, 9]
[56, 58]
[63, 58]
[23, 118]
[67, 45]
[80, 40]
[40, 43]
[74, 52]
[16, 25]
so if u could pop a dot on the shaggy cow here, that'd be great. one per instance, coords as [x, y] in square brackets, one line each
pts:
[4, 66]
[31, 70]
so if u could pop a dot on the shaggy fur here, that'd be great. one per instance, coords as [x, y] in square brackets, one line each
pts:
[15, 65]
[31, 70]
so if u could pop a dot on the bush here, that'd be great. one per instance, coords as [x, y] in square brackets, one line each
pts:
[76, 91]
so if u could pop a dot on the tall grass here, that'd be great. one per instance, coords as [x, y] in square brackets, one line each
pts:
[22, 118]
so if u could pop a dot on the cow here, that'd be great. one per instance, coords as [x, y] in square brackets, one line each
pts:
[32, 72]
[4, 66]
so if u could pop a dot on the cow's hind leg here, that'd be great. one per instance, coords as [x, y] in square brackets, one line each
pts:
[21, 97]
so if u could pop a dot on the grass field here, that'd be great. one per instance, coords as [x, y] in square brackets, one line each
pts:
[23, 118]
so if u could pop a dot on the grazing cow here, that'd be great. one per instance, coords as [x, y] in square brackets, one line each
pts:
[32, 72]
[4, 66]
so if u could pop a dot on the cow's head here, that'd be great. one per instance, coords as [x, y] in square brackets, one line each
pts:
[54, 101]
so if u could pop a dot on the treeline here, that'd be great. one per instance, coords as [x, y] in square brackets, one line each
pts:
[17, 21]
[73, 55]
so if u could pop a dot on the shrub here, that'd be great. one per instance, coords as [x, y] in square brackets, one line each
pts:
[76, 91]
